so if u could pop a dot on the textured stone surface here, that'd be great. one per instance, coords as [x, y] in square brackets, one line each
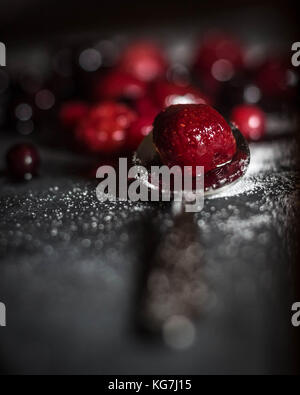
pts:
[71, 274]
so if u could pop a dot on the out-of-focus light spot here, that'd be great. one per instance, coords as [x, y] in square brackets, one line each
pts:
[90, 59]
[25, 127]
[180, 51]
[175, 99]
[23, 112]
[122, 120]
[28, 176]
[252, 94]
[179, 332]
[44, 99]
[178, 74]
[28, 160]
[183, 99]
[254, 121]
[222, 70]
[119, 135]
[255, 55]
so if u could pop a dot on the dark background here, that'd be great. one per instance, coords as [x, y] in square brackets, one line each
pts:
[20, 19]
[72, 309]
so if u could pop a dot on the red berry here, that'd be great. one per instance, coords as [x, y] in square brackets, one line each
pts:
[146, 107]
[217, 47]
[138, 130]
[250, 120]
[71, 113]
[143, 60]
[118, 84]
[105, 128]
[23, 161]
[277, 79]
[217, 60]
[193, 135]
[166, 94]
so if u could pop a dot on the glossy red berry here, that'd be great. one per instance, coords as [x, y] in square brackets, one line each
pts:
[165, 94]
[71, 113]
[250, 120]
[193, 135]
[144, 60]
[23, 161]
[105, 129]
[139, 129]
[118, 84]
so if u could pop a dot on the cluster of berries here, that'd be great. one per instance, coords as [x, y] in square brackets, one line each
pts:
[125, 99]
[129, 96]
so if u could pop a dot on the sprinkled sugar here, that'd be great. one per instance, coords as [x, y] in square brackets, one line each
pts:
[265, 158]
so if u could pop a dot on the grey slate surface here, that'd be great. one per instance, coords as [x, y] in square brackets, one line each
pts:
[70, 275]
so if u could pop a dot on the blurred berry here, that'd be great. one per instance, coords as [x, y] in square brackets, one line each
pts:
[277, 79]
[216, 47]
[146, 107]
[140, 128]
[250, 120]
[143, 60]
[117, 84]
[104, 130]
[71, 113]
[219, 57]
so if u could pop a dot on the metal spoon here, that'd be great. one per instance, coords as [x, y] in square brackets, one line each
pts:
[175, 289]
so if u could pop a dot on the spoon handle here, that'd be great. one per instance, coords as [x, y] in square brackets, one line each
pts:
[175, 281]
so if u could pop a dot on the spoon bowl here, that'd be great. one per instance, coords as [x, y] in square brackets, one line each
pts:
[215, 181]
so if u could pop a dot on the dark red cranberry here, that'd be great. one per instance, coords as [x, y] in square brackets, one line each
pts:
[144, 60]
[104, 130]
[277, 79]
[117, 84]
[250, 120]
[217, 47]
[137, 131]
[71, 113]
[23, 161]
[218, 58]
[146, 107]
[193, 135]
